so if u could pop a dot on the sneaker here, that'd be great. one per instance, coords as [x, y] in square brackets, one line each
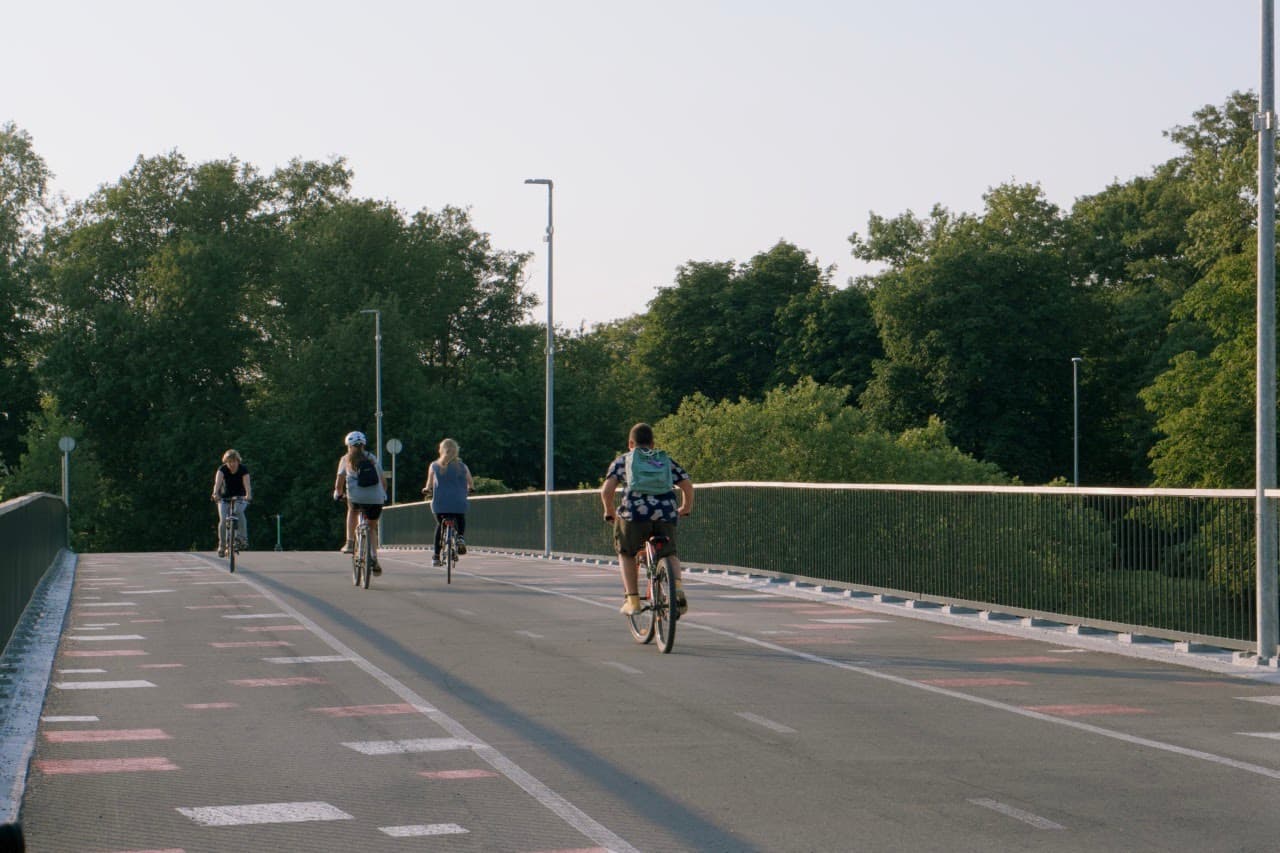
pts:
[375, 567]
[347, 548]
[631, 606]
[436, 561]
[222, 552]
[242, 544]
[682, 603]
[462, 546]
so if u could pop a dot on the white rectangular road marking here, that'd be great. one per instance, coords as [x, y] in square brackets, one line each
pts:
[257, 616]
[111, 604]
[107, 637]
[264, 813]
[100, 685]
[857, 620]
[401, 747]
[1265, 700]
[530, 635]
[69, 719]
[81, 671]
[1267, 735]
[311, 659]
[767, 723]
[748, 596]
[423, 829]
[1018, 814]
[96, 625]
[145, 591]
[629, 670]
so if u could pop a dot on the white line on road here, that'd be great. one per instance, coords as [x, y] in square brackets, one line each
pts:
[256, 616]
[405, 747]
[100, 685]
[1018, 814]
[767, 723]
[108, 637]
[1267, 735]
[530, 635]
[69, 719]
[629, 670]
[423, 829]
[310, 659]
[264, 813]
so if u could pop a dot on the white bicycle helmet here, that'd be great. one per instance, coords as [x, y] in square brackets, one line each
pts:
[356, 437]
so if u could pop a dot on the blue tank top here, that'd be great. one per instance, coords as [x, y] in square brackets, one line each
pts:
[450, 493]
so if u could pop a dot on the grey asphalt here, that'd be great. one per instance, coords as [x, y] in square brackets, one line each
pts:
[282, 709]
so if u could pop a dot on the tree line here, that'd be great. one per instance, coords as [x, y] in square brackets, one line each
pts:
[191, 307]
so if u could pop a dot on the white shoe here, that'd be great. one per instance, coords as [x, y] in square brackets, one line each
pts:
[347, 548]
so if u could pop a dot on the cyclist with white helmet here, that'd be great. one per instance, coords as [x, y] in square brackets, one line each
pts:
[361, 480]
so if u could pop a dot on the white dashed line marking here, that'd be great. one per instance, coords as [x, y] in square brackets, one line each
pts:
[857, 620]
[100, 685]
[423, 829]
[103, 638]
[264, 813]
[110, 604]
[81, 671]
[767, 723]
[1265, 700]
[311, 659]
[629, 670]
[1018, 814]
[1266, 735]
[403, 747]
[530, 635]
[69, 719]
[256, 616]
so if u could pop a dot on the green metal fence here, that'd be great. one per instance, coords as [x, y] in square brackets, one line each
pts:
[33, 529]
[1178, 564]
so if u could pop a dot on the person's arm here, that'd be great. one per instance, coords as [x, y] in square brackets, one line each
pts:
[217, 484]
[686, 496]
[340, 484]
[248, 488]
[606, 496]
[471, 484]
[431, 480]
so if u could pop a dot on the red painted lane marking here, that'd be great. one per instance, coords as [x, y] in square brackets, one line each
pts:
[366, 710]
[261, 628]
[1027, 659]
[251, 644]
[833, 626]
[577, 850]
[104, 653]
[165, 850]
[976, 638]
[457, 774]
[276, 682]
[211, 706]
[1085, 710]
[105, 735]
[974, 682]
[105, 765]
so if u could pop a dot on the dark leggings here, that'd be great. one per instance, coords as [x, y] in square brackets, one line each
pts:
[459, 518]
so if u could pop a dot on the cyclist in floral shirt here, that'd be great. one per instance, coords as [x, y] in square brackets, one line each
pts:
[645, 512]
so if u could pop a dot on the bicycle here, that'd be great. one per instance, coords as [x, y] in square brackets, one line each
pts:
[229, 529]
[659, 613]
[449, 544]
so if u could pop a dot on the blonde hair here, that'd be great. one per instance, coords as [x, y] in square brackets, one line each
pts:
[231, 454]
[448, 452]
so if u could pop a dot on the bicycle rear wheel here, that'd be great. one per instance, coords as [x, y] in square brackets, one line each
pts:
[366, 558]
[664, 606]
[641, 624]
[450, 553]
[356, 549]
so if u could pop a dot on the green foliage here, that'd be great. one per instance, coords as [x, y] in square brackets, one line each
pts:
[806, 433]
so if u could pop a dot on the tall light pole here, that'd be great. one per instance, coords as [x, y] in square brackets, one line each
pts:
[1265, 451]
[549, 440]
[67, 444]
[1075, 408]
[377, 376]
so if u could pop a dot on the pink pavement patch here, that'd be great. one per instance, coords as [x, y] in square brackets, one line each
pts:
[1085, 710]
[974, 682]
[165, 850]
[457, 774]
[834, 626]
[258, 629]
[105, 735]
[104, 653]
[577, 850]
[104, 765]
[211, 706]
[277, 682]
[366, 710]
[252, 644]
[1026, 659]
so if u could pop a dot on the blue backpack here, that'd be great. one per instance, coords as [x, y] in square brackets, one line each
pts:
[649, 472]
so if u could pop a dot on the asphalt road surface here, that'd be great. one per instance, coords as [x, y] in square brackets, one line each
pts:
[280, 708]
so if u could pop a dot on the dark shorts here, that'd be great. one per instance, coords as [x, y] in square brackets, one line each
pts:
[629, 536]
[371, 511]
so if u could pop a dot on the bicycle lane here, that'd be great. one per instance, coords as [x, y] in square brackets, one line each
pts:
[191, 709]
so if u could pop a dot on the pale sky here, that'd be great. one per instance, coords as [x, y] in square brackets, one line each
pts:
[674, 131]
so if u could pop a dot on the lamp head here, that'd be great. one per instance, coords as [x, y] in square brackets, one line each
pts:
[546, 181]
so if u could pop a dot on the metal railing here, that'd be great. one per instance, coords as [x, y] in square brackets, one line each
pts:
[1177, 564]
[33, 529]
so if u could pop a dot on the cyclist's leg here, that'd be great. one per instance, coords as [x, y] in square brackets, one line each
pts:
[223, 509]
[668, 529]
[351, 528]
[436, 543]
[460, 519]
[243, 532]
[373, 512]
[628, 537]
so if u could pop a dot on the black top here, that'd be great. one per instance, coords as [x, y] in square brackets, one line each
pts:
[233, 484]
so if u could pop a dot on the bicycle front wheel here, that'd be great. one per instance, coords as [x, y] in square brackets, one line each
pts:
[366, 558]
[231, 543]
[664, 605]
[356, 549]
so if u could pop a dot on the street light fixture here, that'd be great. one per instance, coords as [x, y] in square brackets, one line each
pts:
[549, 440]
[1075, 405]
[377, 374]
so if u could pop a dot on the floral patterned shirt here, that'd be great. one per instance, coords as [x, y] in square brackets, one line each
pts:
[636, 507]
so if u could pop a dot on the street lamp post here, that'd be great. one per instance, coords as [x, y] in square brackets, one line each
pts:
[67, 444]
[549, 440]
[377, 376]
[1265, 434]
[1075, 408]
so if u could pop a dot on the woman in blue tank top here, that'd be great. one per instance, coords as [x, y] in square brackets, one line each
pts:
[448, 484]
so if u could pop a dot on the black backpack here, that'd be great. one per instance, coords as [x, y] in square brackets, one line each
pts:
[366, 472]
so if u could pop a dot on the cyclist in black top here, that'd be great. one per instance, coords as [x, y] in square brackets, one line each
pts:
[232, 480]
